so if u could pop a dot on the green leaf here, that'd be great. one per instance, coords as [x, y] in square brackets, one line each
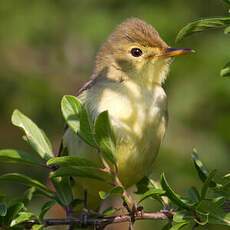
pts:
[109, 211]
[201, 25]
[35, 136]
[15, 156]
[105, 137]
[143, 185]
[63, 190]
[28, 195]
[46, 207]
[224, 187]
[218, 201]
[167, 226]
[22, 217]
[77, 118]
[227, 176]
[3, 209]
[178, 226]
[175, 198]
[201, 217]
[193, 194]
[117, 191]
[71, 108]
[76, 202]
[71, 161]
[219, 217]
[146, 184]
[87, 172]
[227, 1]
[227, 30]
[23, 179]
[225, 72]
[12, 212]
[152, 192]
[103, 195]
[207, 184]
[201, 169]
[179, 216]
[214, 208]
[37, 227]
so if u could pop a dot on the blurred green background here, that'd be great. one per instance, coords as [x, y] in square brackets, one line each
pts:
[48, 47]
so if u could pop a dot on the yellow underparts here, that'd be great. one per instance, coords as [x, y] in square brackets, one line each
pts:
[138, 115]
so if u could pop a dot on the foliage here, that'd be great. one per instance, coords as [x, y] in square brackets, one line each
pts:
[201, 207]
[206, 24]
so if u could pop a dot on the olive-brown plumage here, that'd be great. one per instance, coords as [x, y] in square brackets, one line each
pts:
[127, 81]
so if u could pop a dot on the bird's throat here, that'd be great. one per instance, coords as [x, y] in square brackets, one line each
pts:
[147, 76]
[154, 73]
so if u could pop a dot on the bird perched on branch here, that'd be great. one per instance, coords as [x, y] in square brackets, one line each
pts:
[130, 69]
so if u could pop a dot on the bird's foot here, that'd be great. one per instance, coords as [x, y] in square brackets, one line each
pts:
[135, 212]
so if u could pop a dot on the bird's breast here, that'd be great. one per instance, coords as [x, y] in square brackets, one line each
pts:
[138, 116]
[132, 107]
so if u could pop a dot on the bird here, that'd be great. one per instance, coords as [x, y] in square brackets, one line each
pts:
[127, 81]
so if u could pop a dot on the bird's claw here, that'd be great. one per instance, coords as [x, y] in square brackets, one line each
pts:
[136, 211]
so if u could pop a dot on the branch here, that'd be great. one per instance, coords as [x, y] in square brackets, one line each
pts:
[100, 223]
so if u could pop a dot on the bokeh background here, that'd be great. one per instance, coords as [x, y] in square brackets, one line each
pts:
[48, 47]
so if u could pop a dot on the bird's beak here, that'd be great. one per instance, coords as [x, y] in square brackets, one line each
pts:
[173, 52]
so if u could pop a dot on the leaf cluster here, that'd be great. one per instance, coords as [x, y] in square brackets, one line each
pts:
[205, 24]
[14, 214]
[200, 207]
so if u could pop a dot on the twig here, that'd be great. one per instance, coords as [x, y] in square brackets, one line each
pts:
[69, 214]
[100, 223]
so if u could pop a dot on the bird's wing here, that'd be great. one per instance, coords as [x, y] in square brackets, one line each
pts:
[87, 85]
[62, 146]
[72, 141]
[77, 146]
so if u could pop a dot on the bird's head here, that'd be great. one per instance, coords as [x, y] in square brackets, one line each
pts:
[136, 49]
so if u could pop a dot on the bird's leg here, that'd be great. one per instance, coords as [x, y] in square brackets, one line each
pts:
[136, 211]
[132, 208]
[140, 210]
[131, 226]
[128, 201]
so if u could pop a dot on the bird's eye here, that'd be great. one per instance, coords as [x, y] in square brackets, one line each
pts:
[136, 52]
